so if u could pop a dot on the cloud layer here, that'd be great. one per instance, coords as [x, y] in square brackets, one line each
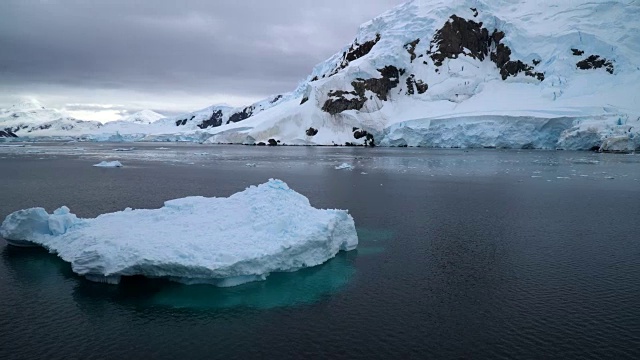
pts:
[168, 55]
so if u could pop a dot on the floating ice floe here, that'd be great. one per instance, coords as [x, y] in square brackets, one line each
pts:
[220, 241]
[124, 149]
[109, 164]
[344, 166]
[250, 165]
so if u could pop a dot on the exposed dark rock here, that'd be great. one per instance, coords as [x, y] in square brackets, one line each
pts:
[595, 62]
[536, 62]
[355, 52]
[242, 115]
[181, 122]
[192, 117]
[456, 35]
[275, 99]
[577, 52]
[359, 134]
[311, 131]
[272, 142]
[419, 85]
[214, 121]
[7, 133]
[380, 86]
[338, 102]
[15, 129]
[261, 144]
[459, 36]
[410, 81]
[315, 78]
[304, 100]
[411, 48]
[501, 56]
[475, 12]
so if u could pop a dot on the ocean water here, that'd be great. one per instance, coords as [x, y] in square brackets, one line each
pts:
[463, 254]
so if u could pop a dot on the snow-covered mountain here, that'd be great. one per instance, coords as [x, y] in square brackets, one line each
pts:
[30, 117]
[142, 117]
[453, 73]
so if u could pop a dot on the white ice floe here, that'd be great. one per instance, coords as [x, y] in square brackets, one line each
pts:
[221, 241]
[109, 164]
[344, 166]
[250, 165]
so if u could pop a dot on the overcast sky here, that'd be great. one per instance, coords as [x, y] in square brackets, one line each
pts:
[99, 58]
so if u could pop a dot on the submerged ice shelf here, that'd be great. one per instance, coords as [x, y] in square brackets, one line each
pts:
[220, 241]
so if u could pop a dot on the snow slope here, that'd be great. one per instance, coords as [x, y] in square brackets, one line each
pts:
[455, 73]
[143, 117]
[221, 241]
[30, 118]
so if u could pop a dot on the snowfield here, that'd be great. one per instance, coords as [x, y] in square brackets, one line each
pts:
[445, 74]
[220, 241]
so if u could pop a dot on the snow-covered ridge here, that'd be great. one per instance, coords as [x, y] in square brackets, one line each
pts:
[143, 117]
[436, 73]
[31, 117]
[221, 241]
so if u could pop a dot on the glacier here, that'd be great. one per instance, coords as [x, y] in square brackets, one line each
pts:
[195, 240]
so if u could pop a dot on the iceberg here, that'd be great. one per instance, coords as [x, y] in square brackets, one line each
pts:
[109, 164]
[194, 240]
[344, 166]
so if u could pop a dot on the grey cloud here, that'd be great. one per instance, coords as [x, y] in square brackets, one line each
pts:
[242, 49]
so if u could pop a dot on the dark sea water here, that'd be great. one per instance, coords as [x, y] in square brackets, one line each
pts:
[463, 254]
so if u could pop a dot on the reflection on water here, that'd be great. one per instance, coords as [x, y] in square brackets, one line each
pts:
[306, 286]
[35, 265]
[280, 289]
